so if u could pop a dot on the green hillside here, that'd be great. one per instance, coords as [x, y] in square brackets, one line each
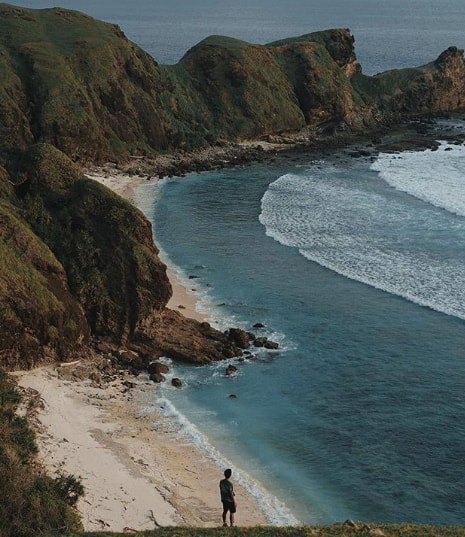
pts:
[79, 272]
[77, 83]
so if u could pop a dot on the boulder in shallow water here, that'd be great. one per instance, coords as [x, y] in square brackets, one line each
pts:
[157, 368]
[157, 378]
[231, 370]
[271, 344]
[239, 337]
[266, 343]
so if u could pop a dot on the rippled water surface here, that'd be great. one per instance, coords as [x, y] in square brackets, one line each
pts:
[357, 268]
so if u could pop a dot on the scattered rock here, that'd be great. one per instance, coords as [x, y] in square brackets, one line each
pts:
[266, 343]
[176, 382]
[232, 396]
[271, 345]
[157, 368]
[239, 337]
[231, 370]
[157, 377]
[228, 352]
[258, 325]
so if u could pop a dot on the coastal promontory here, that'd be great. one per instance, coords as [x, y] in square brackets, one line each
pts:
[79, 266]
[80, 275]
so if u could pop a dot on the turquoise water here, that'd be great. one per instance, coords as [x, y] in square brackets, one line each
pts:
[358, 269]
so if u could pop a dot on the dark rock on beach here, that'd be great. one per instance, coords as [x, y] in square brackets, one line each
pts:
[81, 272]
[157, 378]
[157, 367]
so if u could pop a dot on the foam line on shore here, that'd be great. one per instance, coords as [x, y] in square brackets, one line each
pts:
[275, 511]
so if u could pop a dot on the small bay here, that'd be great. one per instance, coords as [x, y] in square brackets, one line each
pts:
[359, 414]
[355, 267]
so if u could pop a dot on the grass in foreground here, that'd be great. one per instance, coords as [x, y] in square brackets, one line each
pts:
[336, 530]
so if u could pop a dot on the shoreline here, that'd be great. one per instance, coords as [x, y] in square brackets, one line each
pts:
[125, 185]
[138, 471]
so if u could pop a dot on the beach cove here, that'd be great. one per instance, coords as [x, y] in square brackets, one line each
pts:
[326, 250]
[138, 470]
[150, 426]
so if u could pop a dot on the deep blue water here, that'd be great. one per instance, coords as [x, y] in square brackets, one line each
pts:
[356, 268]
[359, 274]
[389, 33]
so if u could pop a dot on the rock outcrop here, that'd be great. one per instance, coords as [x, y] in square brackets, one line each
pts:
[79, 269]
[397, 95]
[80, 85]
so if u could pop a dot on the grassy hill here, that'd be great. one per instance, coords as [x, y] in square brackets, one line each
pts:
[78, 267]
[77, 83]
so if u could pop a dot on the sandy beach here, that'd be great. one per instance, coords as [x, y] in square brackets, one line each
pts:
[139, 471]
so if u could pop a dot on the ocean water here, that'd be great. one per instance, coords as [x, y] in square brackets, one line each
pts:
[357, 268]
[389, 34]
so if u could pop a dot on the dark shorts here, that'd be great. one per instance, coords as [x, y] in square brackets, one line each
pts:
[228, 506]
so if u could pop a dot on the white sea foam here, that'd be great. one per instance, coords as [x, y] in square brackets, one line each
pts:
[437, 177]
[365, 235]
[275, 511]
[218, 314]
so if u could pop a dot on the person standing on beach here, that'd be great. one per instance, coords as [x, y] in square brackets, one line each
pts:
[228, 498]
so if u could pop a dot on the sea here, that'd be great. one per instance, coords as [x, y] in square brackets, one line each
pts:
[355, 266]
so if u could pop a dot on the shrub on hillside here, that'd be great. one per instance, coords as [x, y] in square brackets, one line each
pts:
[31, 502]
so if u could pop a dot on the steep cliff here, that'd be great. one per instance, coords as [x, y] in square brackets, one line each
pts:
[80, 85]
[77, 261]
[436, 87]
[76, 83]
[39, 317]
[78, 264]
[79, 271]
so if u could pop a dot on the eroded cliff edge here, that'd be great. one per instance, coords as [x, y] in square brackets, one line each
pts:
[80, 85]
[79, 269]
[80, 272]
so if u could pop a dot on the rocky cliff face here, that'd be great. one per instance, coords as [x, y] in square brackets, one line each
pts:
[399, 94]
[78, 264]
[79, 271]
[80, 85]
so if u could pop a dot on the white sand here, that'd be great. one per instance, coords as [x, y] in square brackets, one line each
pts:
[137, 471]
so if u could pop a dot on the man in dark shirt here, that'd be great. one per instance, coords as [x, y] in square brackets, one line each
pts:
[227, 498]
